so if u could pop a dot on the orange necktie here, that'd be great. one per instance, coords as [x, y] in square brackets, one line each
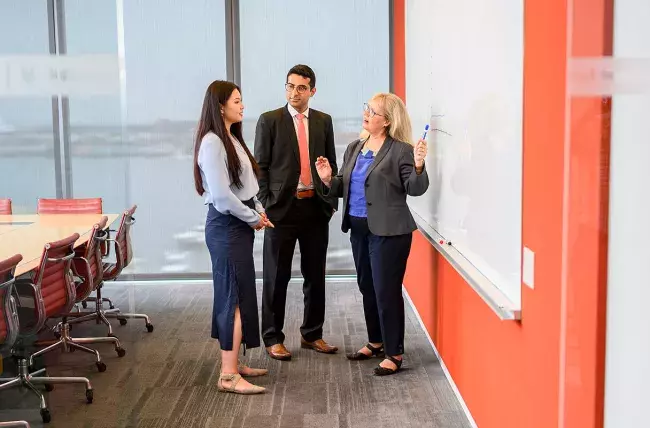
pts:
[303, 145]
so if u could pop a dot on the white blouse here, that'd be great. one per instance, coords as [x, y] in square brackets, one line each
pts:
[219, 191]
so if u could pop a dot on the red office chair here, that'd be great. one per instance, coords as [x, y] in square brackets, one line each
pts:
[8, 315]
[5, 206]
[69, 206]
[10, 327]
[98, 271]
[123, 257]
[89, 269]
[123, 245]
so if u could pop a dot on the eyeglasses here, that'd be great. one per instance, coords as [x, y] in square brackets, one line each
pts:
[370, 111]
[301, 88]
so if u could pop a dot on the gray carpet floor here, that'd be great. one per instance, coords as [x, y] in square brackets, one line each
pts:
[168, 377]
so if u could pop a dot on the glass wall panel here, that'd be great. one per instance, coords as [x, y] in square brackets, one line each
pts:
[132, 143]
[349, 52]
[136, 147]
[27, 162]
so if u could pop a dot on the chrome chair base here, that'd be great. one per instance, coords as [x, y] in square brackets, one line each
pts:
[97, 315]
[94, 299]
[101, 315]
[15, 424]
[29, 380]
[70, 344]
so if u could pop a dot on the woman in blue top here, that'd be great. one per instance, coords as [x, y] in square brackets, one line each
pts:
[379, 171]
[225, 174]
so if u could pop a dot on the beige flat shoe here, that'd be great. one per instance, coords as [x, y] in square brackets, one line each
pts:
[234, 379]
[251, 371]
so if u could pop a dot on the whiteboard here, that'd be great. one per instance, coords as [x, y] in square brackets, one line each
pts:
[464, 76]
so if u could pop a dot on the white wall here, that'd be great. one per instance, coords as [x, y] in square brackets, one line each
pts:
[627, 376]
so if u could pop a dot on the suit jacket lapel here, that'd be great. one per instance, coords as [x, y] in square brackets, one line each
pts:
[290, 132]
[388, 142]
[347, 172]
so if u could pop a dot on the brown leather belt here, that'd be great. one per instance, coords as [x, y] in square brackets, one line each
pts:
[305, 194]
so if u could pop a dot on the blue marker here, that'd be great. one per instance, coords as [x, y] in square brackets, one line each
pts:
[426, 129]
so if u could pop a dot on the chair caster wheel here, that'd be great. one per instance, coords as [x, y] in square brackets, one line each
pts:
[120, 352]
[89, 396]
[45, 415]
[101, 366]
[123, 321]
[149, 328]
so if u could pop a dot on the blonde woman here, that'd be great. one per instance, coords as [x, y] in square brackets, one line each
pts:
[379, 170]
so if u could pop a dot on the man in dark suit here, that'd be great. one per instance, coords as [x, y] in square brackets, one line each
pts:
[287, 143]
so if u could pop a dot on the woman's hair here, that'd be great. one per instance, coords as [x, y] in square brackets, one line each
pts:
[211, 120]
[395, 113]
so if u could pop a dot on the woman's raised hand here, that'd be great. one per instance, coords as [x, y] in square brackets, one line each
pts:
[420, 153]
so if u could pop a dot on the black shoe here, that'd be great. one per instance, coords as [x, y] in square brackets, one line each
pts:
[383, 371]
[360, 356]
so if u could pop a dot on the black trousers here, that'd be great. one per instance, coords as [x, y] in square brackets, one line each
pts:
[307, 224]
[381, 264]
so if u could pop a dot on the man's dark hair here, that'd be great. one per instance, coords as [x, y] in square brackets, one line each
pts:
[304, 71]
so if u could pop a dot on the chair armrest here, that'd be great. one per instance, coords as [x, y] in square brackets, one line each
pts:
[62, 259]
[26, 290]
[118, 251]
[88, 277]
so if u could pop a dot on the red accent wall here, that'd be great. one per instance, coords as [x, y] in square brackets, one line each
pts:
[524, 374]
[399, 47]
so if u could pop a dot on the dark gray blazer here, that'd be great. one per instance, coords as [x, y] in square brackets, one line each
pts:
[390, 178]
[278, 156]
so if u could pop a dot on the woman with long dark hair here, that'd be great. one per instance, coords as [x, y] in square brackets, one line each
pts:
[225, 174]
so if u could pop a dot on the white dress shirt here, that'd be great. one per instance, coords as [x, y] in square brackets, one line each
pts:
[219, 191]
[305, 120]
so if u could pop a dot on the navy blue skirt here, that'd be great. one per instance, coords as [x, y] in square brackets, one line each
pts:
[230, 242]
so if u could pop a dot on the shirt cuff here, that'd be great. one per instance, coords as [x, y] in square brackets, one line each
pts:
[258, 217]
[259, 207]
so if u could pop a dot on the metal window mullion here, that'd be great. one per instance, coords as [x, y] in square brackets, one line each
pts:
[233, 58]
[56, 125]
[64, 102]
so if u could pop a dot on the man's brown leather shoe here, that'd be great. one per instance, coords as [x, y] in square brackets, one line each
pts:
[319, 346]
[278, 352]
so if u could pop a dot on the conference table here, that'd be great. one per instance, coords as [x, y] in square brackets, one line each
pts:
[27, 234]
